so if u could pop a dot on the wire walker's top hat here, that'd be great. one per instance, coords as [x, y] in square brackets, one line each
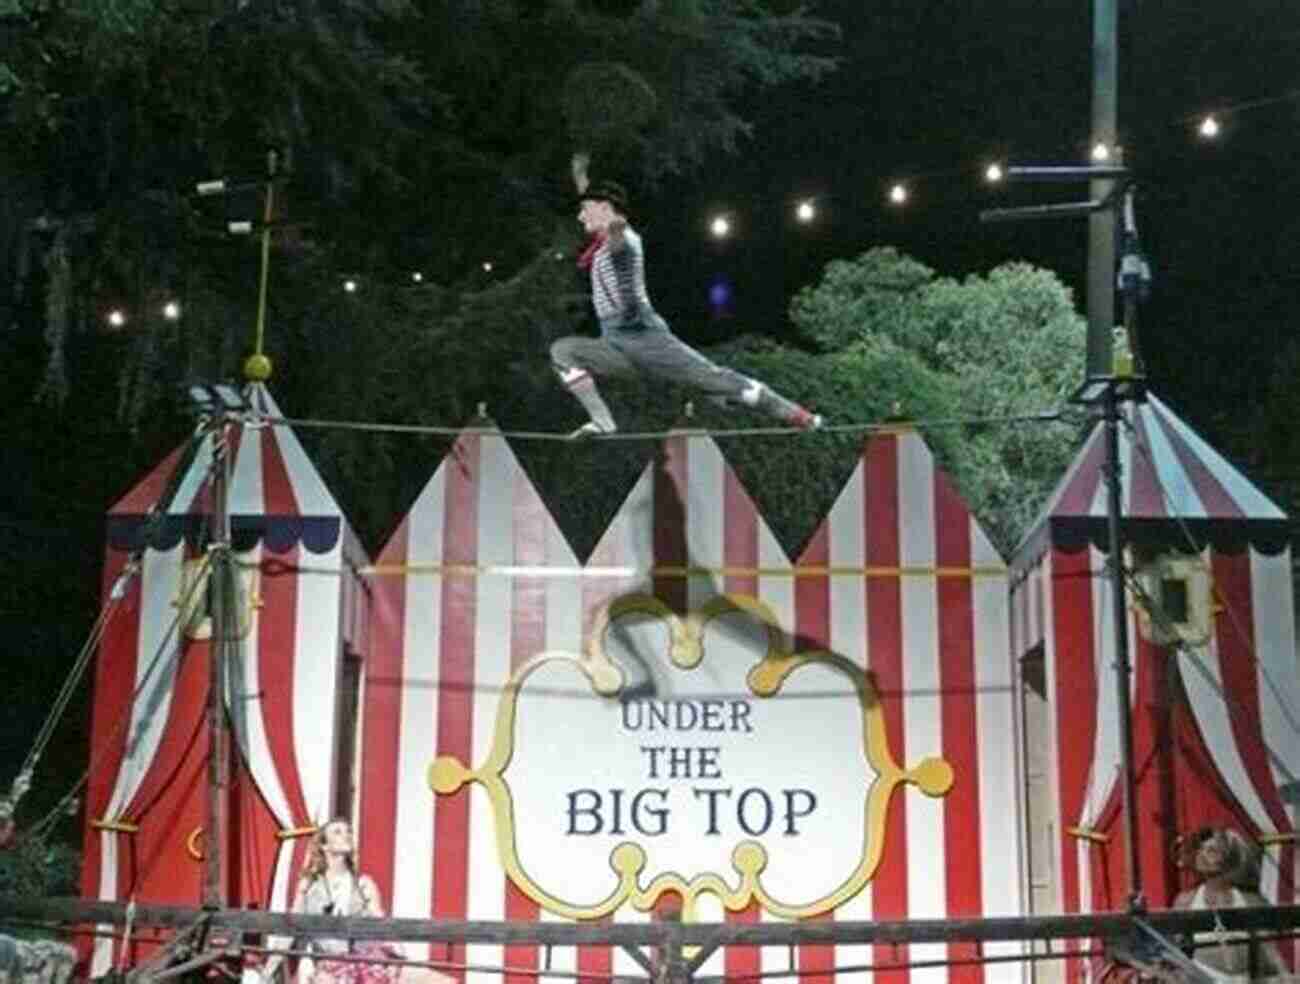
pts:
[606, 191]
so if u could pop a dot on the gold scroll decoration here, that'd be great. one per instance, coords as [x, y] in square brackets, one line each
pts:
[933, 776]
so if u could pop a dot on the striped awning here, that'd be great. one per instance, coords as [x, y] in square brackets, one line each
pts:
[146, 797]
[1177, 492]
[276, 497]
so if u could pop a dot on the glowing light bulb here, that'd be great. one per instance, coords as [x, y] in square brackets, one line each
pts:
[487, 266]
[350, 286]
[1209, 128]
[116, 318]
[172, 311]
[898, 194]
[720, 227]
[806, 211]
[417, 277]
[994, 173]
[1100, 152]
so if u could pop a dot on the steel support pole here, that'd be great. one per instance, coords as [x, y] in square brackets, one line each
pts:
[1101, 224]
[1123, 667]
[221, 583]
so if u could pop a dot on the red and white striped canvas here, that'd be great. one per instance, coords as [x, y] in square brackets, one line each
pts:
[461, 596]
[147, 789]
[928, 616]
[1215, 739]
[899, 579]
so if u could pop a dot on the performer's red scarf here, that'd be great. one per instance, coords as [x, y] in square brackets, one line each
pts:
[588, 255]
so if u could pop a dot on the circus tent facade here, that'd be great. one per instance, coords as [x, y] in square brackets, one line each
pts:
[299, 610]
[688, 717]
[1215, 688]
[469, 812]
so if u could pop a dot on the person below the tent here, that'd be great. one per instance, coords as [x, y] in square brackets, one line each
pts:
[331, 885]
[633, 337]
[1227, 872]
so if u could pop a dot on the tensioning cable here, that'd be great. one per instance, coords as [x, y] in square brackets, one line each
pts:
[863, 427]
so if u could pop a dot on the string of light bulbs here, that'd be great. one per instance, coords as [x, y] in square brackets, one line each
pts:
[805, 210]
[898, 191]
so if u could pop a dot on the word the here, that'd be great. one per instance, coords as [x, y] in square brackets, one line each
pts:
[682, 762]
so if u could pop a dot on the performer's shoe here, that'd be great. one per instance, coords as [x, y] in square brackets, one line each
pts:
[591, 429]
[806, 420]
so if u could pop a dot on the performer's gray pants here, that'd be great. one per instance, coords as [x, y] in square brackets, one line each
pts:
[651, 348]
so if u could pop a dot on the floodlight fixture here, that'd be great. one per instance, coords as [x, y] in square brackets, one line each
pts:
[116, 318]
[225, 186]
[1209, 128]
[1101, 152]
[1060, 174]
[246, 227]
[1063, 210]
[210, 398]
[349, 286]
[898, 194]
[720, 227]
[230, 398]
[172, 310]
[1066, 173]
[805, 211]
[994, 174]
[1097, 389]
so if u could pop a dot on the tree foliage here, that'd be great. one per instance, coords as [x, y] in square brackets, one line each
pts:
[429, 135]
[412, 135]
[887, 339]
[424, 135]
[897, 339]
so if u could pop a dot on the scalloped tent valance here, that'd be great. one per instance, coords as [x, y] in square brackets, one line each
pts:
[318, 534]
[277, 498]
[1070, 534]
[1177, 493]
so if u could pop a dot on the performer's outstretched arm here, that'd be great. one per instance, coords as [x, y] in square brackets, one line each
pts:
[578, 168]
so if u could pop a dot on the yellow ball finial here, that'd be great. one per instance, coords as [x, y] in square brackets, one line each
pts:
[933, 775]
[257, 368]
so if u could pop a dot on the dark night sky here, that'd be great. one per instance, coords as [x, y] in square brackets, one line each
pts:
[931, 90]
